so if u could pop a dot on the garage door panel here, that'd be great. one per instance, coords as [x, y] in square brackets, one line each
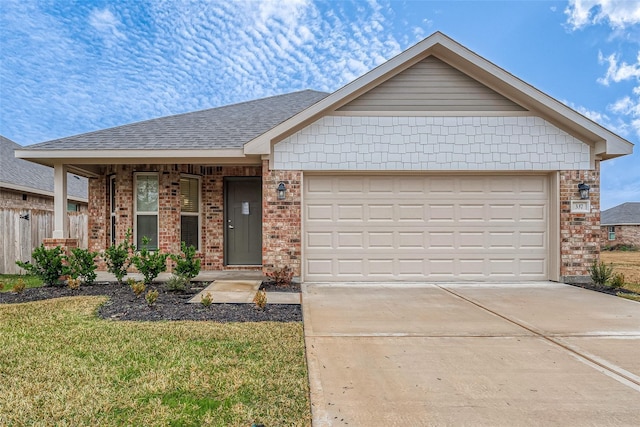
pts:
[320, 240]
[441, 213]
[361, 228]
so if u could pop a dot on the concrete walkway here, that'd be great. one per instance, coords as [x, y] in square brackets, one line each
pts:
[464, 354]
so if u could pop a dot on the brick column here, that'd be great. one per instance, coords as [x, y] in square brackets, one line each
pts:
[579, 232]
[281, 220]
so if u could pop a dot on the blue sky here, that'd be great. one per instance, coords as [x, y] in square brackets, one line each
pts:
[69, 67]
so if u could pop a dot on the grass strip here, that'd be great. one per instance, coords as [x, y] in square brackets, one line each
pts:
[61, 365]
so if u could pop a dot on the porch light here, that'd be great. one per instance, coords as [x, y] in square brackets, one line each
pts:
[584, 190]
[281, 190]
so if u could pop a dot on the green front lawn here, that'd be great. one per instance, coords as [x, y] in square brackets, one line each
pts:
[61, 365]
[8, 280]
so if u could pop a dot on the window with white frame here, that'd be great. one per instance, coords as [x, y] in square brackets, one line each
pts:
[612, 232]
[112, 207]
[190, 211]
[146, 209]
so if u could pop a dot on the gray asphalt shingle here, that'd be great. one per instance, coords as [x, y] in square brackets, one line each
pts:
[626, 213]
[230, 126]
[31, 175]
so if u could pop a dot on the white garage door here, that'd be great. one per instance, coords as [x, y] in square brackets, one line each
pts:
[428, 228]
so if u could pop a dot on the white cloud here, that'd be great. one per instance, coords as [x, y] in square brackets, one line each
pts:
[617, 71]
[619, 14]
[106, 24]
[627, 107]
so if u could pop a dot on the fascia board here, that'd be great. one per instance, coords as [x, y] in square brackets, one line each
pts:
[99, 157]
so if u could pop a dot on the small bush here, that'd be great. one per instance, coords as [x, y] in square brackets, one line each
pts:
[281, 276]
[149, 263]
[82, 265]
[131, 281]
[19, 286]
[260, 299]
[206, 300]
[600, 272]
[617, 280]
[47, 264]
[117, 257]
[151, 297]
[187, 266]
[73, 284]
[138, 288]
[177, 284]
[1, 285]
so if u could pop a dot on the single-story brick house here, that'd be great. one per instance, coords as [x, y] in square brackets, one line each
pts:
[621, 225]
[437, 165]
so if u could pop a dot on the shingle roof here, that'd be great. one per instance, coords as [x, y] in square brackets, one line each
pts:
[230, 126]
[31, 175]
[626, 213]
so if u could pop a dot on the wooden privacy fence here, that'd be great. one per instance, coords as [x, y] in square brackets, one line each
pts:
[19, 235]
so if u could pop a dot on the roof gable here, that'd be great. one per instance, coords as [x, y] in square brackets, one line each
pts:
[605, 143]
[626, 213]
[431, 85]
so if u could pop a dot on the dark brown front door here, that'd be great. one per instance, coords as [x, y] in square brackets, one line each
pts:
[243, 220]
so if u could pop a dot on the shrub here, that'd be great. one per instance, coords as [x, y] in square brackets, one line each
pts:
[47, 264]
[177, 283]
[82, 266]
[187, 266]
[19, 286]
[138, 288]
[149, 263]
[151, 297]
[617, 281]
[1, 285]
[206, 300]
[73, 284]
[281, 276]
[260, 299]
[600, 272]
[117, 257]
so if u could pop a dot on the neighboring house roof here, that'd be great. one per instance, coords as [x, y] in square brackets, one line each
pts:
[624, 214]
[21, 175]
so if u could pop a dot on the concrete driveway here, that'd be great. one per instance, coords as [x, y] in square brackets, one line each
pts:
[471, 354]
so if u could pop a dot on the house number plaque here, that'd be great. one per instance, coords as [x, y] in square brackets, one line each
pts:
[580, 206]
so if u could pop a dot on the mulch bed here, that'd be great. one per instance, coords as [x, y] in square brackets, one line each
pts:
[171, 305]
[604, 289]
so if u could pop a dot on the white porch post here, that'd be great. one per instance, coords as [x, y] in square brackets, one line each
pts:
[60, 201]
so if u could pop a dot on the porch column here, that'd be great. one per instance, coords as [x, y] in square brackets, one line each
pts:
[60, 201]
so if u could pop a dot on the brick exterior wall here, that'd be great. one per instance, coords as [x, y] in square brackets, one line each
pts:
[281, 220]
[211, 250]
[625, 235]
[579, 232]
[14, 199]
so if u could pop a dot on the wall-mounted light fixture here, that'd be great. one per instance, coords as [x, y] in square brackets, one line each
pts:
[584, 190]
[25, 216]
[282, 190]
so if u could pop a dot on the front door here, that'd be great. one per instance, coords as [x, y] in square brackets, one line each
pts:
[243, 220]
